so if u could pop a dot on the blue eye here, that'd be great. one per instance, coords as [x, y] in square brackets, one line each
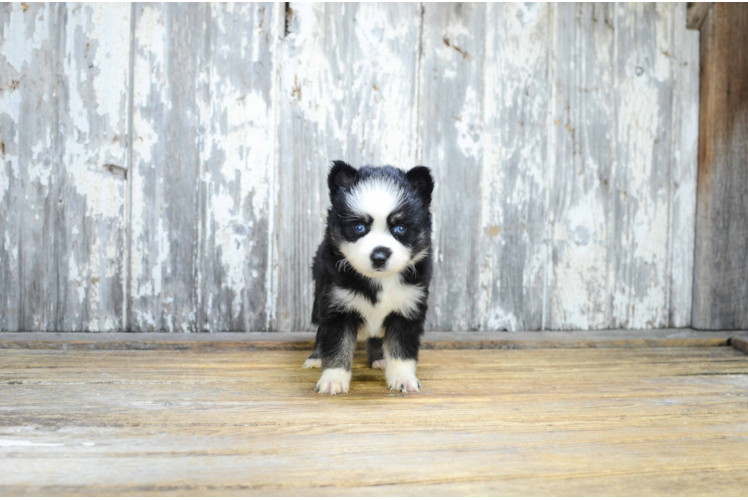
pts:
[399, 230]
[359, 228]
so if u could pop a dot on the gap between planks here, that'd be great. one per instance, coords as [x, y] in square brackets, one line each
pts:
[303, 341]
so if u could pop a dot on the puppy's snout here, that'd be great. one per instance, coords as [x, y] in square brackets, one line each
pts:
[379, 257]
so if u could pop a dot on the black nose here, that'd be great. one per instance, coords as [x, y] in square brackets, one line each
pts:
[379, 257]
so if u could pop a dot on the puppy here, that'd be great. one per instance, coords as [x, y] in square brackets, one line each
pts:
[371, 274]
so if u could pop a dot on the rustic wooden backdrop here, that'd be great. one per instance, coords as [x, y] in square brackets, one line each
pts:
[162, 166]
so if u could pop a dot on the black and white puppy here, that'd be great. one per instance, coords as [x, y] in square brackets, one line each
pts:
[371, 274]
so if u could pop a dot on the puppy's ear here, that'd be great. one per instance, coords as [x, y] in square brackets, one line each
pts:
[341, 176]
[420, 178]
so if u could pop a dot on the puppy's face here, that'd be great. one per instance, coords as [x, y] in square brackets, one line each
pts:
[380, 218]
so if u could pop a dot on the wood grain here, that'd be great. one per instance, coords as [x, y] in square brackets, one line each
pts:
[697, 12]
[684, 156]
[63, 174]
[237, 166]
[450, 111]
[164, 212]
[29, 177]
[657, 421]
[92, 121]
[606, 220]
[203, 164]
[640, 180]
[740, 342]
[582, 138]
[514, 182]
[720, 292]
[163, 166]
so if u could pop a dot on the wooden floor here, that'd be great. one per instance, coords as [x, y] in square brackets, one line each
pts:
[643, 421]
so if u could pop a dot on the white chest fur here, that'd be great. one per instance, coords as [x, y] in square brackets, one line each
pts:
[394, 296]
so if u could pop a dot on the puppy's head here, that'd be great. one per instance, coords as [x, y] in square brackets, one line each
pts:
[380, 219]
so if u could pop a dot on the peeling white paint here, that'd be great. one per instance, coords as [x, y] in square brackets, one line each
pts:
[580, 273]
[246, 146]
[498, 320]
[163, 245]
[234, 247]
[9, 107]
[236, 154]
[4, 177]
[39, 169]
[75, 278]
[547, 221]
[514, 175]
[469, 125]
[640, 295]
[94, 117]
[149, 60]
[18, 48]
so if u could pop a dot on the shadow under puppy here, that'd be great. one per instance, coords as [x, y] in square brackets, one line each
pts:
[371, 274]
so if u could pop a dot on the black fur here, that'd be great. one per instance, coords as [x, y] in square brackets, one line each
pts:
[337, 329]
[374, 350]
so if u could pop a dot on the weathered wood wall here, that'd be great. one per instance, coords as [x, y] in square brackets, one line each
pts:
[721, 272]
[163, 165]
[63, 180]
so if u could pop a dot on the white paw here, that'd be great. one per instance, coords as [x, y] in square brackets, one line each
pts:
[379, 364]
[312, 363]
[401, 375]
[334, 381]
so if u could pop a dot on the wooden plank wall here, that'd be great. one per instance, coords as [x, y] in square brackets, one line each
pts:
[63, 131]
[163, 166]
[721, 273]
[202, 162]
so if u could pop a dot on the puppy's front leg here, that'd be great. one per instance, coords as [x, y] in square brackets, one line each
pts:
[337, 344]
[375, 352]
[402, 338]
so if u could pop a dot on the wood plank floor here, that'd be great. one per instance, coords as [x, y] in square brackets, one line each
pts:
[645, 421]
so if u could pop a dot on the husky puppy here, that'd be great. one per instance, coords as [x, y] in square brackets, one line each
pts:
[371, 274]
